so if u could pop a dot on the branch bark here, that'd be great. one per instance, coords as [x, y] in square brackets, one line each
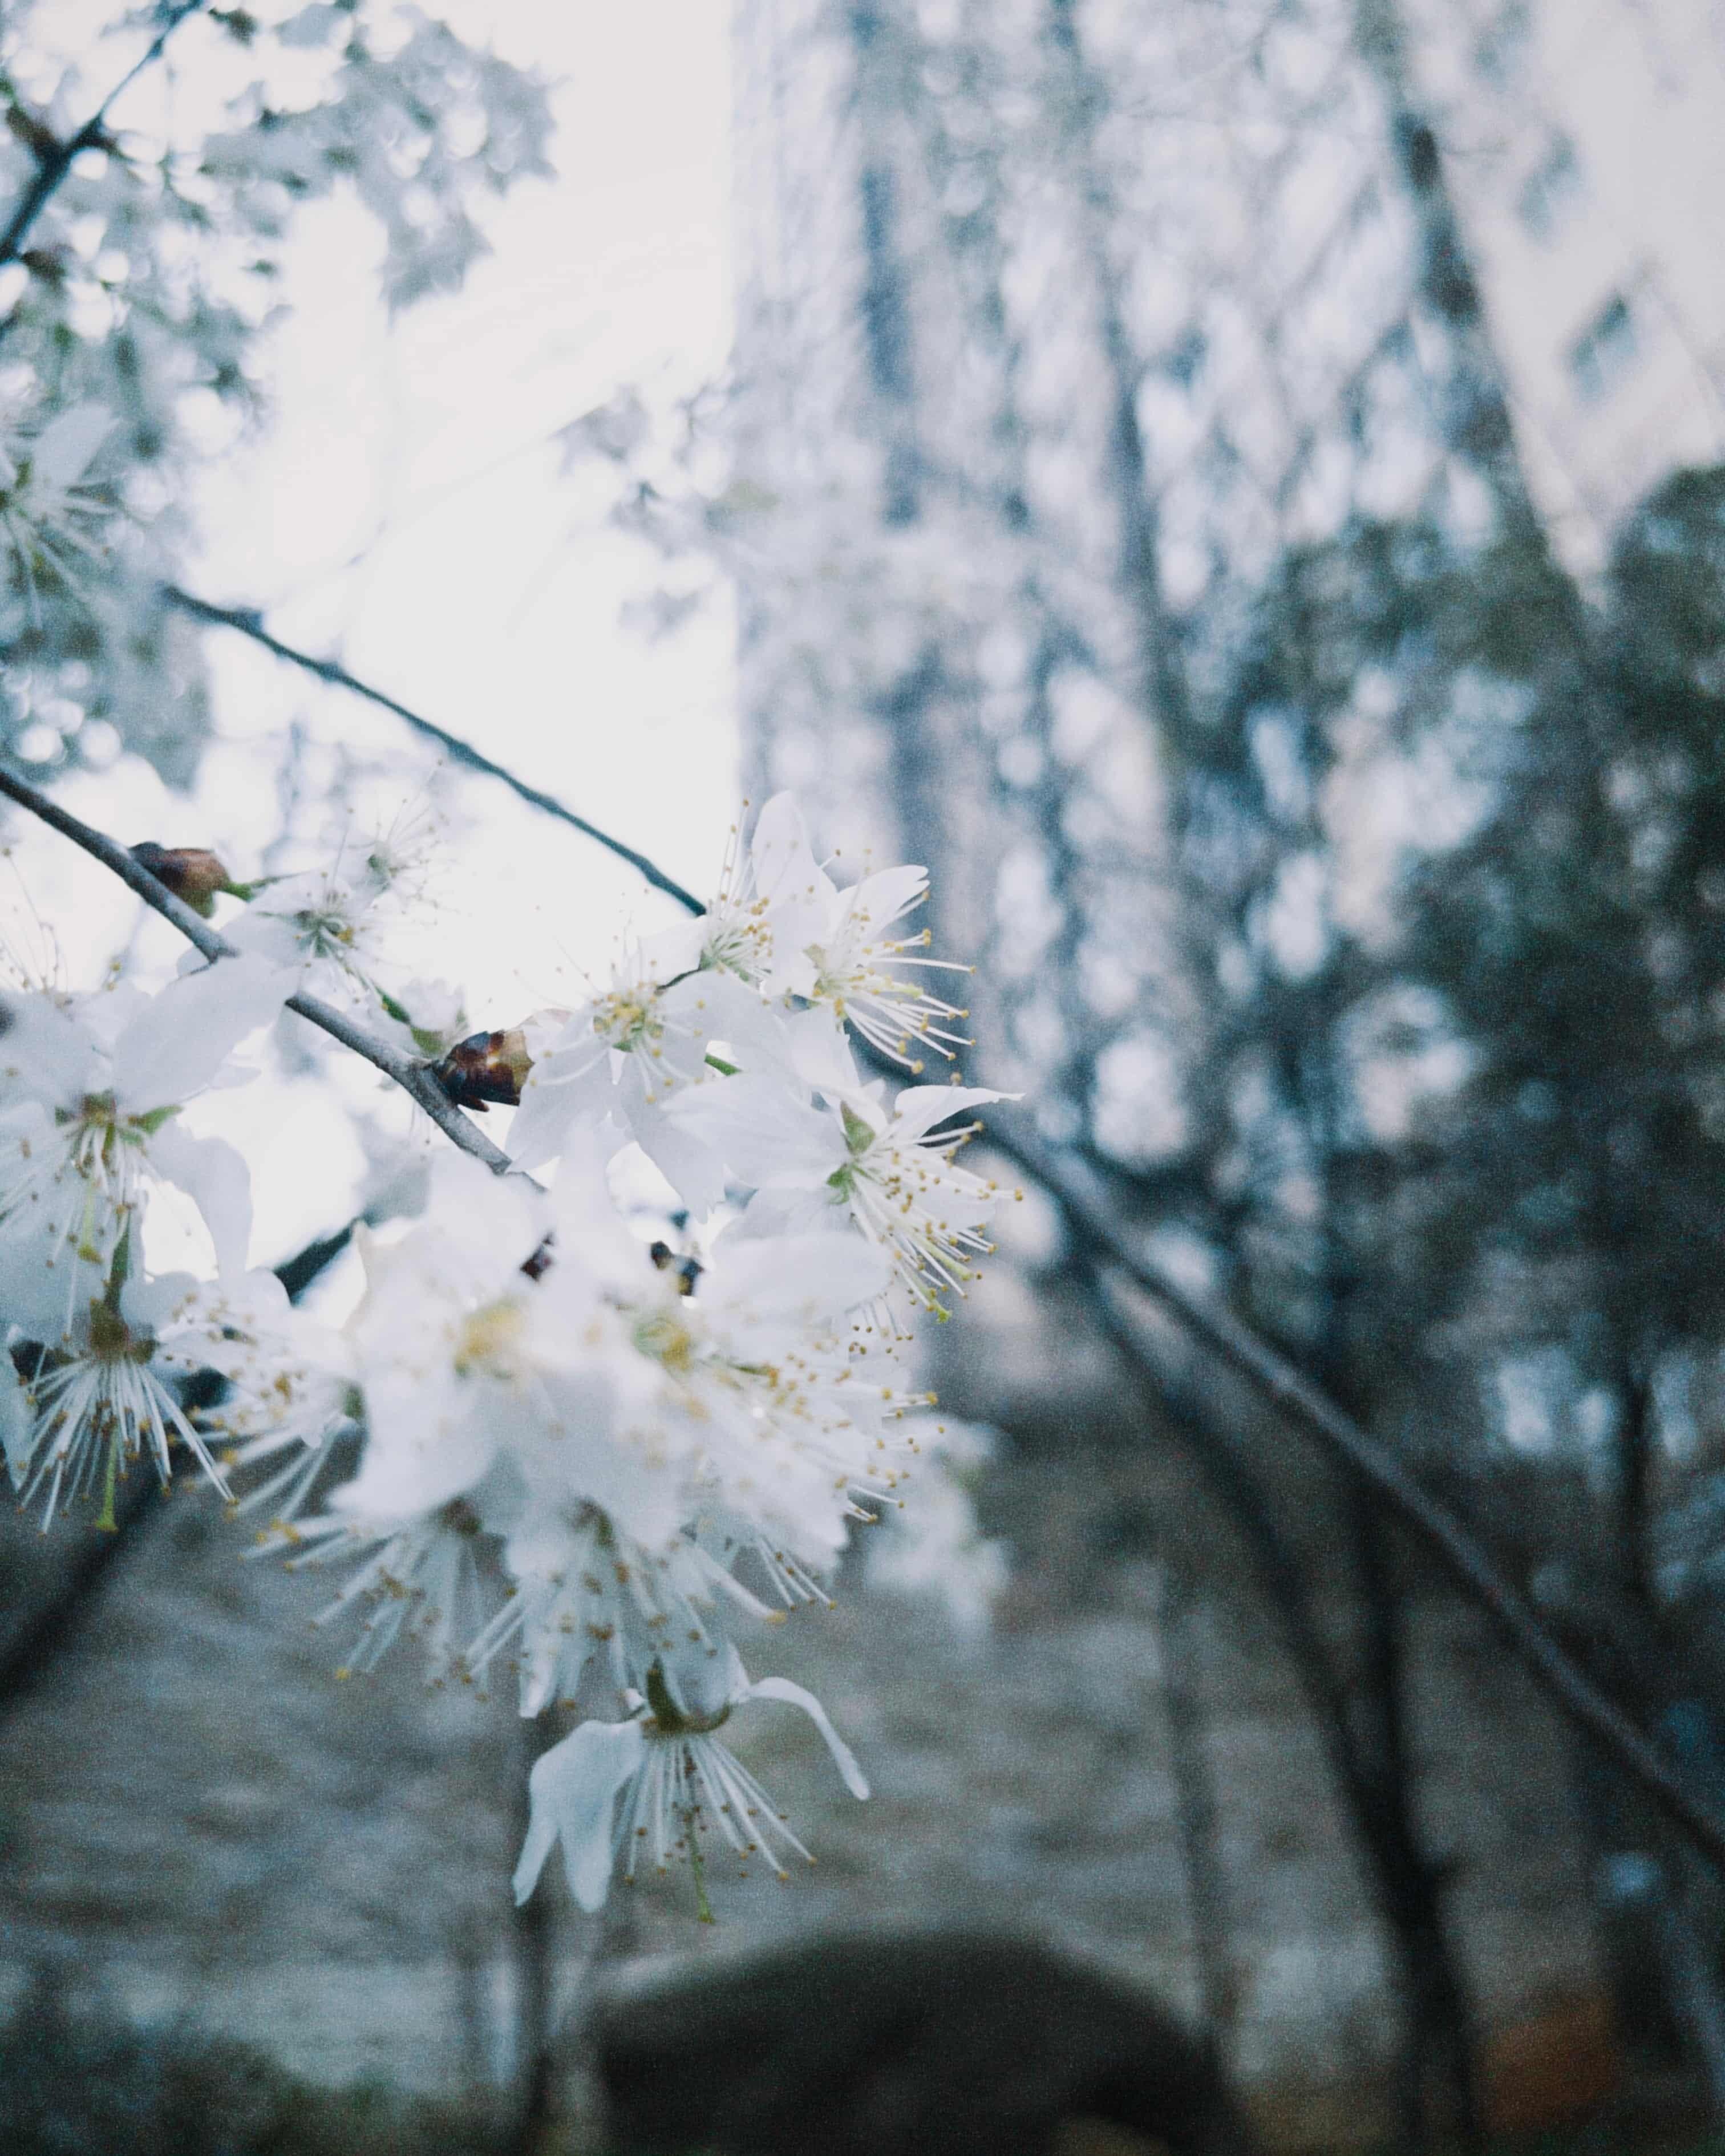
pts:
[1276, 1380]
[414, 1078]
[246, 621]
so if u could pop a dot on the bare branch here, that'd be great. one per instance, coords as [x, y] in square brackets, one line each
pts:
[1276, 1380]
[248, 622]
[414, 1078]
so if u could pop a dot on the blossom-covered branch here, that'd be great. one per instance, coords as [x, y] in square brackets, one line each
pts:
[1270, 1373]
[655, 1444]
[411, 1075]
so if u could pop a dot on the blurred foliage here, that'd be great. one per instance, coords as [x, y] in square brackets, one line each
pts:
[71, 2085]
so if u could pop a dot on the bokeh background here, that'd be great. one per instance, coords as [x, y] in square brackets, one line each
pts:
[1235, 488]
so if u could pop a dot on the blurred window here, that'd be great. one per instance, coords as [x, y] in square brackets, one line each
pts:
[1551, 190]
[1501, 46]
[1605, 351]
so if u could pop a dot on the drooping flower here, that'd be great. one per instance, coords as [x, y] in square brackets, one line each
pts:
[583, 1594]
[677, 1782]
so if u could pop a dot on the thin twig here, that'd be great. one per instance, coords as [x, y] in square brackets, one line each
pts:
[1276, 1380]
[53, 165]
[248, 622]
[414, 1078]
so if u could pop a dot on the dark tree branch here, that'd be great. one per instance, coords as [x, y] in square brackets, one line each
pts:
[1276, 1380]
[414, 1078]
[248, 623]
[52, 164]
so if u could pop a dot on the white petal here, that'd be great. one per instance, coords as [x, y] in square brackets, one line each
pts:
[843, 1758]
[878, 901]
[771, 1137]
[66, 444]
[47, 1053]
[181, 1038]
[804, 1279]
[553, 1104]
[726, 1008]
[409, 1469]
[215, 1177]
[573, 1791]
[784, 862]
[821, 1054]
[15, 1420]
[691, 1167]
[919, 1108]
[672, 952]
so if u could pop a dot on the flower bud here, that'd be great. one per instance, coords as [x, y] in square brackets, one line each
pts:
[485, 1067]
[191, 873]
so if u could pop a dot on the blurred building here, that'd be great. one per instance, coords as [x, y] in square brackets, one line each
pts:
[1065, 333]
[1585, 151]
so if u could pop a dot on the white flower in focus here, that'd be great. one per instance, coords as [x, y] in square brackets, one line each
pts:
[677, 1782]
[800, 935]
[892, 1175]
[627, 1054]
[92, 1088]
[774, 902]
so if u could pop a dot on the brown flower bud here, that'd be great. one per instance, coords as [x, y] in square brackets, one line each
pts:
[484, 1068]
[191, 873]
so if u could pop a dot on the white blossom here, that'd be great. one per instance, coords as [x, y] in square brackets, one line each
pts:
[628, 1052]
[843, 1159]
[108, 1394]
[677, 1783]
[92, 1087]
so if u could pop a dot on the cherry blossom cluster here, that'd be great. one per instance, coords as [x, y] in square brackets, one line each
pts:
[551, 1442]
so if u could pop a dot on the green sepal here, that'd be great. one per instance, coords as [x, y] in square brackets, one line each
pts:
[859, 1135]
